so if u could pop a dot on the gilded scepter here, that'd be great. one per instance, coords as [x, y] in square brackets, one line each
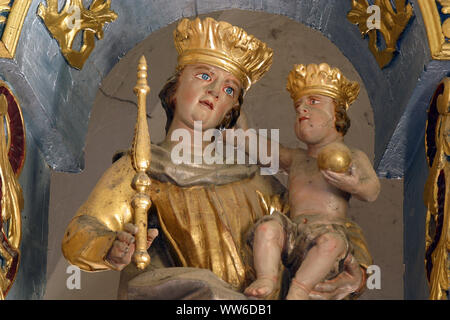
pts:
[141, 157]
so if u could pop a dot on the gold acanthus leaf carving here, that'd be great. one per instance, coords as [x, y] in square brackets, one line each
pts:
[445, 6]
[438, 31]
[11, 205]
[392, 23]
[446, 28]
[445, 10]
[4, 7]
[74, 18]
[437, 193]
[12, 18]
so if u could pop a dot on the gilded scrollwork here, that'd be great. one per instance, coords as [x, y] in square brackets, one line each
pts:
[391, 25]
[4, 7]
[438, 27]
[446, 23]
[437, 192]
[12, 157]
[72, 19]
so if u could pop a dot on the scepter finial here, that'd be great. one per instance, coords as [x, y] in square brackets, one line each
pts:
[141, 83]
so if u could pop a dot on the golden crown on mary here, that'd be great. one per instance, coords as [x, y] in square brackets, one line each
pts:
[220, 44]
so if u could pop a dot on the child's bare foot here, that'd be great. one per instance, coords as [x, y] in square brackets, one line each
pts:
[262, 286]
[297, 291]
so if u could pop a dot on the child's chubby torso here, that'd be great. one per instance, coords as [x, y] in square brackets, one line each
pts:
[310, 193]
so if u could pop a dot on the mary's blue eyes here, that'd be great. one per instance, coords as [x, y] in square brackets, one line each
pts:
[204, 76]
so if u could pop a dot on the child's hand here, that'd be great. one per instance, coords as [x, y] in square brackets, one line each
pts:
[348, 181]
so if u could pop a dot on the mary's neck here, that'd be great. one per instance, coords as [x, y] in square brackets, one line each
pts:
[192, 136]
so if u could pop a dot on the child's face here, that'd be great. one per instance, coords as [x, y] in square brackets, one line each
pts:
[205, 93]
[315, 120]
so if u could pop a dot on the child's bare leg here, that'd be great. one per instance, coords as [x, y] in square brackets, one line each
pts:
[267, 246]
[317, 264]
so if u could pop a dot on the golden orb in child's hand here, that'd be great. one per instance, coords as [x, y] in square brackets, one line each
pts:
[334, 157]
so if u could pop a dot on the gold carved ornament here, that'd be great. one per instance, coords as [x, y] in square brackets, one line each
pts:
[438, 30]
[12, 19]
[391, 25]
[141, 157]
[437, 192]
[12, 158]
[74, 18]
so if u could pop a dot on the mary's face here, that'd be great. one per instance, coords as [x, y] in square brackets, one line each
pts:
[205, 93]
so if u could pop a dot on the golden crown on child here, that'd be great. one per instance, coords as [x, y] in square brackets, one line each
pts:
[321, 79]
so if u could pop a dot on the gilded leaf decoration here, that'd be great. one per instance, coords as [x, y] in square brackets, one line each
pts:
[437, 26]
[392, 23]
[72, 19]
[4, 7]
[445, 6]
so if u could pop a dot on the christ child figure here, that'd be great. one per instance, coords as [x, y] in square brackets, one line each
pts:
[312, 241]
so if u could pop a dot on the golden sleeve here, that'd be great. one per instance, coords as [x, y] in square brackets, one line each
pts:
[92, 231]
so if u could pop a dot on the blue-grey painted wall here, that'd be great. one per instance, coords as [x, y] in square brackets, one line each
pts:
[414, 213]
